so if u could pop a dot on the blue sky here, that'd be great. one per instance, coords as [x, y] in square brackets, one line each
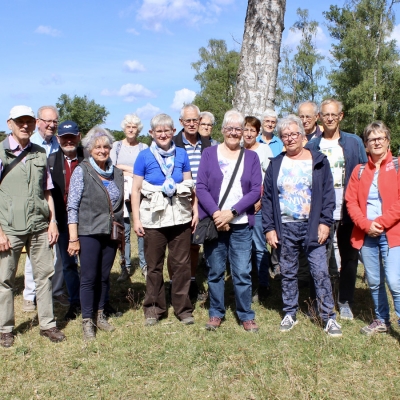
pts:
[130, 56]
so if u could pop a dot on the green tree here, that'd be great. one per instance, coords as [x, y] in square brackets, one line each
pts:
[366, 64]
[300, 74]
[86, 113]
[216, 73]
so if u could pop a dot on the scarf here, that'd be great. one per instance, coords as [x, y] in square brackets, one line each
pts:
[108, 173]
[166, 161]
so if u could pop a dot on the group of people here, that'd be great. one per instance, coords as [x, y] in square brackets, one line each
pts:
[318, 196]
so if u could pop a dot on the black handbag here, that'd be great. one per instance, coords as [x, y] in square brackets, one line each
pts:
[206, 231]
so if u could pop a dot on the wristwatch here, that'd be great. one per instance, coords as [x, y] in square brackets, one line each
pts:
[234, 212]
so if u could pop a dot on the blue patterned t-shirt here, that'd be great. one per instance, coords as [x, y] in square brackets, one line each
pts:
[294, 187]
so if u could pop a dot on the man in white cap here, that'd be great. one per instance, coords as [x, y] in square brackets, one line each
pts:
[27, 218]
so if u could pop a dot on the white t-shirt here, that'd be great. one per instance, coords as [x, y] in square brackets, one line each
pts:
[236, 193]
[334, 152]
[264, 152]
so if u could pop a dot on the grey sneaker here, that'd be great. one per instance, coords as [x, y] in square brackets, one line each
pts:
[332, 328]
[88, 329]
[287, 323]
[124, 276]
[150, 321]
[345, 312]
[102, 323]
[187, 321]
[144, 272]
[61, 299]
[29, 306]
[377, 326]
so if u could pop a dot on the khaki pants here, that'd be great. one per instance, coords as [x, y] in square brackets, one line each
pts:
[41, 256]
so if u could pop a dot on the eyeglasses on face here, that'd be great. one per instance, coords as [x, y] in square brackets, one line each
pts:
[159, 132]
[231, 129]
[293, 135]
[204, 125]
[49, 121]
[269, 121]
[377, 140]
[190, 121]
[330, 116]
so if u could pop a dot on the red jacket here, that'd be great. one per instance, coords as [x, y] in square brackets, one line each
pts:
[389, 190]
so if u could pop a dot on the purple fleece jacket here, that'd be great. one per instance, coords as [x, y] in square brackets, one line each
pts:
[209, 181]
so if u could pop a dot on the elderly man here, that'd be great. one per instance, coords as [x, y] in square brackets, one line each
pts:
[207, 121]
[27, 218]
[46, 125]
[62, 164]
[190, 139]
[344, 151]
[308, 113]
[268, 124]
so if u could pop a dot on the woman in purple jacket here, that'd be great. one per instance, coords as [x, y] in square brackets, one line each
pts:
[234, 220]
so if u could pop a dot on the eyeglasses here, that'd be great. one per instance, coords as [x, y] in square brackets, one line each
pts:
[168, 132]
[377, 140]
[204, 125]
[293, 135]
[22, 122]
[330, 116]
[191, 121]
[49, 121]
[231, 129]
[268, 121]
[307, 117]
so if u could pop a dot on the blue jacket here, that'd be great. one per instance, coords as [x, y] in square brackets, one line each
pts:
[354, 154]
[322, 198]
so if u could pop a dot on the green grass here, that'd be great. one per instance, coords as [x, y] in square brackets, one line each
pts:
[172, 361]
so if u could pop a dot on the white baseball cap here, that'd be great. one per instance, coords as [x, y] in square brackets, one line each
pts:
[19, 111]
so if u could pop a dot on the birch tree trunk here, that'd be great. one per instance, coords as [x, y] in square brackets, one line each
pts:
[259, 57]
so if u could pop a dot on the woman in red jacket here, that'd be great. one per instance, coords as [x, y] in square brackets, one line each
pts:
[373, 202]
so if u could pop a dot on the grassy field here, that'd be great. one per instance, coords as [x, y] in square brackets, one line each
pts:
[172, 361]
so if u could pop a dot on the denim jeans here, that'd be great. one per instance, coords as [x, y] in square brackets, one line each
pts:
[127, 255]
[382, 262]
[70, 268]
[292, 240]
[260, 255]
[236, 243]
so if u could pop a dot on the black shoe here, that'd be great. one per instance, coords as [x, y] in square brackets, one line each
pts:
[193, 291]
[275, 273]
[73, 312]
[261, 294]
[110, 311]
[303, 284]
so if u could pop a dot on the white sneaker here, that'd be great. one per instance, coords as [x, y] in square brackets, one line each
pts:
[287, 323]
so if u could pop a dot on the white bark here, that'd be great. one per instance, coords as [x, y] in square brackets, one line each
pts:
[258, 69]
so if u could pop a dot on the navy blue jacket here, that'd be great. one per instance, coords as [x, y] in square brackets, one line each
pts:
[354, 154]
[322, 198]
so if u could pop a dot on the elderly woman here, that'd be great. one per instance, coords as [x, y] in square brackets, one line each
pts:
[297, 212]
[207, 121]
[373, 203]
[95, 184]
[260, 257]
[163, 212]
[234, 218]
[123, 155]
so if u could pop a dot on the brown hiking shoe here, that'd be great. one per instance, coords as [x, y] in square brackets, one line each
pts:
[54, 334]
[213, 323]
[102, 323]
[250, 326]
[6, 339]
[88, 329]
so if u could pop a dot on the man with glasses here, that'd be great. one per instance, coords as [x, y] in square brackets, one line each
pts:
[194, 144]
[46, 128]
[344, 151]
[25, 194]
[268, 125]
[308, 113]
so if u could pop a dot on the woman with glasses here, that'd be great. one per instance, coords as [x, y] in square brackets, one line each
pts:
[164, 211]
[234, 218]
[206, 125]
[260, 257]
[373, 203]
[297, 212]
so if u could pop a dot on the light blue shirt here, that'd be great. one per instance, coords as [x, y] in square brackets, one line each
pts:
[374, 201]
[51, 147]
[276, 144]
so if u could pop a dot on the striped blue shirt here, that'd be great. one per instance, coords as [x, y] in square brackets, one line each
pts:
[194, 154]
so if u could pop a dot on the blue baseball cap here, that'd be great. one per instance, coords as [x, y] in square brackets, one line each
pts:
[68, 128]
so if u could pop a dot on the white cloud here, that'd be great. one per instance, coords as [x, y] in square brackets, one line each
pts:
[133, 31]
[47, 30]
[183, 96]
[130, 92]
[53, 79]
[396, 35]
[148, 111]
[133, 66]
[293, 38]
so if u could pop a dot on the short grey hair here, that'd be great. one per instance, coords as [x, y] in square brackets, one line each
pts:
[375, 127]
[233, 116]
[269, 112]
[161, 120]
[95, 134]
[208, 115]
[329, 101]
[39, 112]
[189, 107]
[132, 119]
[311, 103]
[285, 122]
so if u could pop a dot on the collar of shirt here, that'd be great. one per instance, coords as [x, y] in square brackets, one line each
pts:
[14, 145]
[70, 159]
[185, 141]
[260, 139]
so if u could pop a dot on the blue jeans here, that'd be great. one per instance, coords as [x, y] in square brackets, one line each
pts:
[70, 268]
[293, 238]
[237, 244]
[142, 261]
[382, 262]
[260, 256]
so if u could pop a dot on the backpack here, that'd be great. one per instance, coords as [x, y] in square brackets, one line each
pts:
[395, 162]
